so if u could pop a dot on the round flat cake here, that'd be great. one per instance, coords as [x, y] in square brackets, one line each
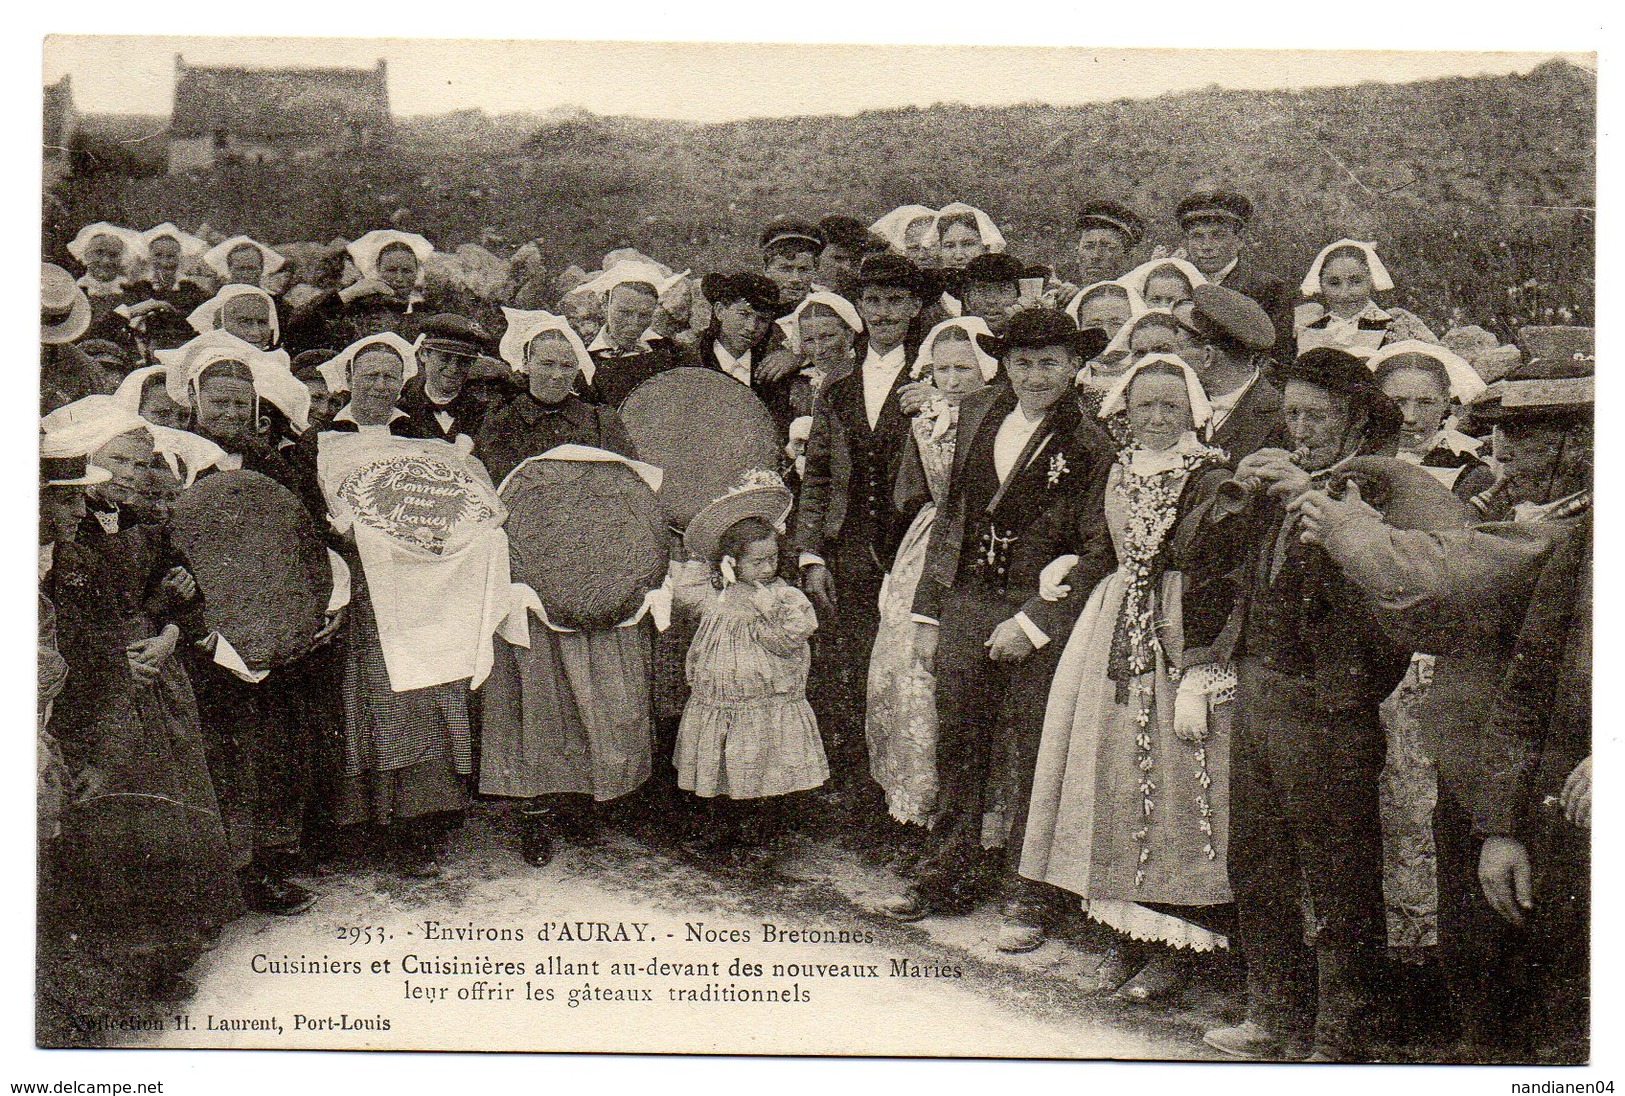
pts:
[588, 536]
[260, 562]
[704, 430]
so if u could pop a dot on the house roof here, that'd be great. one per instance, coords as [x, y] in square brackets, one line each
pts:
[277, 102]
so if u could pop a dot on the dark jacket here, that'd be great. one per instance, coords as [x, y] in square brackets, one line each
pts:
[1000, 536]
[616, 374]
[465, 411]
[851, 469]
[1254, 423]
[524, 427]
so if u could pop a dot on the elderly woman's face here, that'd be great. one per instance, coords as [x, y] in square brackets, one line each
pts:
[955, 370]
[165, 256]
[1107, 312]
[249, 318]
[224, 410]
[104, 258]
[1159, 410]
[960, 244]
[551, 366]
[376, 377]
[915, 248]
[1165, 291]
[398, 269]
[825, 340]
[1345, 282]
[1421, 404]
[245, 265]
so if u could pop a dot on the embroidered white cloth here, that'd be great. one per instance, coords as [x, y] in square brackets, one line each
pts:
[428, 527]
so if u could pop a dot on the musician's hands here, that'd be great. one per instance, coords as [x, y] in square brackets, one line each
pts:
[1322, 513]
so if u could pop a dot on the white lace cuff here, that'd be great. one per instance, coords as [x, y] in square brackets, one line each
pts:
[1214, 680]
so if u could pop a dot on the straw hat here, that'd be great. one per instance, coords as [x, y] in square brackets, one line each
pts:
[64, 310]
[761, 494]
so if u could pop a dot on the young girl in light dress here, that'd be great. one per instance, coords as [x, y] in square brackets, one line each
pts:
[748, 736]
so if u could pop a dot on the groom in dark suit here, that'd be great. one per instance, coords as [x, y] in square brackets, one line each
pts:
[846, 529]
[1025, 465]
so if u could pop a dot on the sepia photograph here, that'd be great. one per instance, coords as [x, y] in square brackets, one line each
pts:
[897, 551]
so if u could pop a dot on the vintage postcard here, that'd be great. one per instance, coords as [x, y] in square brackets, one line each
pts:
[901, 551]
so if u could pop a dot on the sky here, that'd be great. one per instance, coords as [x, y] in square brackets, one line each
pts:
[709, 82]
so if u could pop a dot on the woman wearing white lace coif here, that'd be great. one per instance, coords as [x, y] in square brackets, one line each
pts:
[1342, 311]
[1130, 801]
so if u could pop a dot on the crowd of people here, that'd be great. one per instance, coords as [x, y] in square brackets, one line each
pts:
[1235, 613]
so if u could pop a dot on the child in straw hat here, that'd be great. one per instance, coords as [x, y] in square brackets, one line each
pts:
[748, 734]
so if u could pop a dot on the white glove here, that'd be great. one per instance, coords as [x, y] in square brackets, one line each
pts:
[1190, 710]
[1052, 579]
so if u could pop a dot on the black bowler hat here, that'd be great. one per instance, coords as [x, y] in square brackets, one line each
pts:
[1215, 205]
[783, 229]
[1342, 373]
[1104, 213]
[1038, 328]
[725, 289]
[993, 267]
[450, 333]
[896, 272]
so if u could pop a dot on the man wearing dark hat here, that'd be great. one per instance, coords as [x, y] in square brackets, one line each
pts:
[846, 528]
[1023, 467]
[847, 242]
[1235, 333]
[1506, 609]
[1108, 233]
[990, 287]
[1213, 222]
[790, 250]
[440, 400]
[1313, 665]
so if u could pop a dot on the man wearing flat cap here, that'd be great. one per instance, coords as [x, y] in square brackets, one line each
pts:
[442, 400]
[846, 529]
[990, 287]
[1108, 233]
[1213, 222]
[790, 249]
[1236, 335]
[1023, 469]
[1505, 607]
[847, 242]
[1313, 664]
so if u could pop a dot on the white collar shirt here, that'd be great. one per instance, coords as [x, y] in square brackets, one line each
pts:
[879, 374]
[1223, 405]
[1014, 433]
[737, 368]
[1225, 272]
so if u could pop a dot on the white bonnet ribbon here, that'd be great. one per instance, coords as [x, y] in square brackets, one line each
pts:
[893, 227]
[972, 326]
[1465, 383]
[791, 324]
[1381, 282]
[364, 251]
[1136, 303]
[525, 325]
[1117, 399]
[131, 239]
[206, 316]
[217, 257]
[336, 370]
[1137, 278]
[992, 238]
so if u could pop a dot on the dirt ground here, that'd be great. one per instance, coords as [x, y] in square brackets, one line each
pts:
[1033, 1005]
